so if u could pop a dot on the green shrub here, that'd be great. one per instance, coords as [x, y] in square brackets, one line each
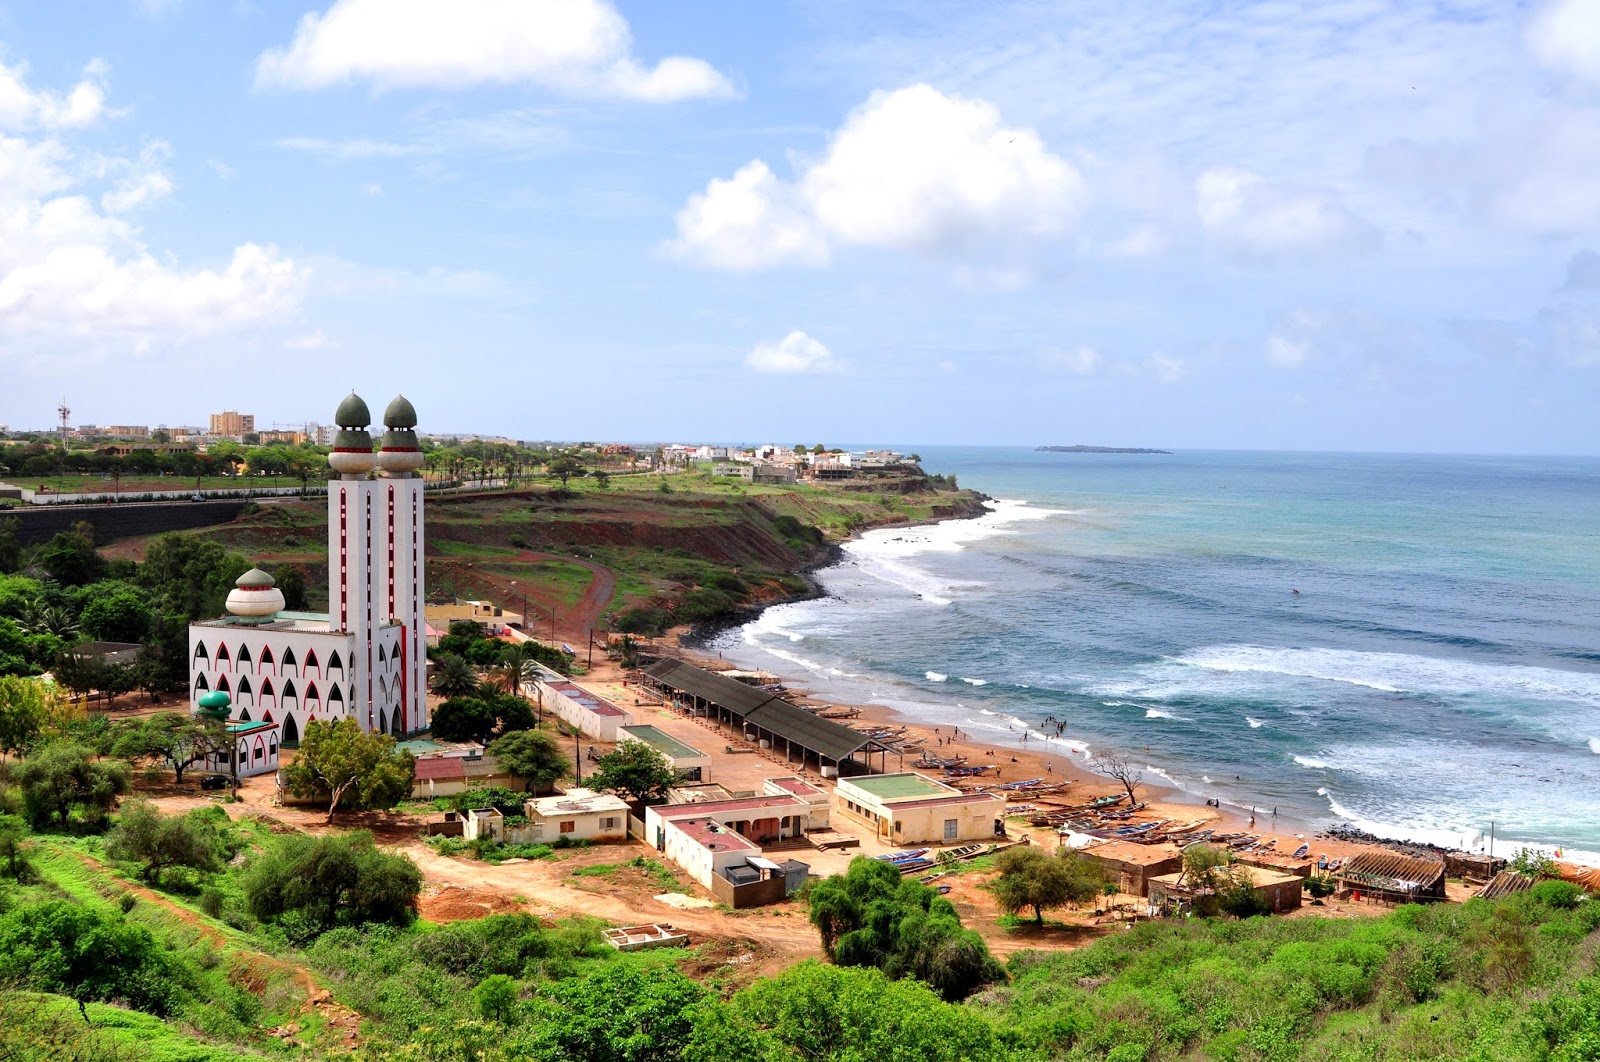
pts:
[1559, 894]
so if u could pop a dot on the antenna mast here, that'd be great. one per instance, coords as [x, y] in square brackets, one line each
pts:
[63, 412]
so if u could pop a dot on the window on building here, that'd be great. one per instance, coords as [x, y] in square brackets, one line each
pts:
[897, 827]
[949, 829]
[568, 825]
[608, 823]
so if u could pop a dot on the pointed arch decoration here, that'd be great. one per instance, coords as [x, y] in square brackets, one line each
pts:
[291, 732]
[265, 660]
[244, 693]
[200, 682]
[241, 659]
[244, 715]
[310, 663]
[200, 651]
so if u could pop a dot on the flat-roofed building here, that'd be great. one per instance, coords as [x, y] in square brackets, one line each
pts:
[910, 808]
[718, 844]
[255, 751]
[1178, 893]
[1130, 866]
[692, 764]
[588, 711]
[229, 422]
[577, 815]
[817, 798]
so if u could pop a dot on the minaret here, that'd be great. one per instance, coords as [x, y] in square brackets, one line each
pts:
[352, 604]
[402, 578]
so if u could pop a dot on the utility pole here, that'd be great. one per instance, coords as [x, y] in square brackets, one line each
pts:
[577, 756]
[589, 666]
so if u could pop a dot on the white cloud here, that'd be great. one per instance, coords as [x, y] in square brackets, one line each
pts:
[1261, 219]
[1146, 241]
[372, 189]
[317, 340]
[1165, 369]
[581, 47]
[1083, 360]
[794, 353]
[23, 108]
[911, 169]
[1565, 36]
[72, 264]
[221, 169]
[1287, 352]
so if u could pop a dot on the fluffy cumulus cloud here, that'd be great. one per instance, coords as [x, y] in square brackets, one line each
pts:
[581, 47]
[913, 169]
[1263, 219]
[72, 263]
[24, 108]
[1565, 36]
[794, 353]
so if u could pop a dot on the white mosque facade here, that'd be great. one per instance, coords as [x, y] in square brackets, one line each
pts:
[365, 659]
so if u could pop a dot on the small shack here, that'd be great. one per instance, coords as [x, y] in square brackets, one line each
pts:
[1505, 883]
[910, 808]
[1130, 866]
[1176, 894]
[1390, 877]
[691, 764]
[577, 815]
[255, 750]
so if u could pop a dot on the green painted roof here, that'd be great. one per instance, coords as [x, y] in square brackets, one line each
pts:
[670, 746]
[352, 413]
[400, 414]
[898, 786]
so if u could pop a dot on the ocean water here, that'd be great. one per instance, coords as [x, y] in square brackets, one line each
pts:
[1409, 644]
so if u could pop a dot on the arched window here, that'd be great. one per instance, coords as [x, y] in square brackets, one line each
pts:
[335, 697]
[335, 663]
[266, 660]
[200, 682]
[244, 715]
[311, 661]
[222, 654]
[243, 693]
[313, 698]
[266, 689]
[222, 684]
[242, 660]
[266, 717]
[383, 721]
[382, 656]
[288, 661]
[288, 698]
[200, 651]
[291, 733]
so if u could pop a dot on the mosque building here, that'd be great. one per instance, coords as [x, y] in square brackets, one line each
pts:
[366, 659]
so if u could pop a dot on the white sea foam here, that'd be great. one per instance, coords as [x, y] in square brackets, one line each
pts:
[1255, 724]
[934, 676]
[1206, 779]
[1157, 713]
[1312, 762]
[974, 681]
[984, 711]
[1399, 672]
[1594, 745]
[1443, 836]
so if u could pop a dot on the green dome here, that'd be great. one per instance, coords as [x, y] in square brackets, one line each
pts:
[400, 414]
[215, 699]
[353, 439]
[254, 577]
[352, 413]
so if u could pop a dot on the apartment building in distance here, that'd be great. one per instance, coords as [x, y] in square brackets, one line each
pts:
[231, 423]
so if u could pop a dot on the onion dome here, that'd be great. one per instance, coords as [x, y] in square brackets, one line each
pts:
[216, 704]
[254, 596]
[401, 450]
[352, 413]
[352, 447]
[400, 413]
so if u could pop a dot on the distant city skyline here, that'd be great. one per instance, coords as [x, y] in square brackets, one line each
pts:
[1330, 228]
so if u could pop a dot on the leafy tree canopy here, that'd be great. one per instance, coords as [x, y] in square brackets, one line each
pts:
[533, 756]
[88, 955]
[351, 769]
[635, 771]
[310, 885]
[144, 835]
[1030, 878]
[63, 777]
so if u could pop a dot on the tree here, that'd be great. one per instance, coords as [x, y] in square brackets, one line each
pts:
[10, 545]
[70, 557]
[1030, 878]
[636, 771]
[62, 777]
[533, 756]
[12, 831]
[602, 477]
[144, 835]
[495, 998]
[190, 575]
[291, 582]
[22, 711]
[624, 1012]
[341, 764]
[564, 468]
[453, 676]
[313, 884]
[870, 916]
[1118, 766]
[88, 954]
[463, 719]
[177, 738]
[113, 611]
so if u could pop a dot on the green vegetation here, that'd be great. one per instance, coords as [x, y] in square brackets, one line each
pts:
[349, 768]
[533, 756]
[635, 771]
[308, 886]
[1030, 878]
[871, 916]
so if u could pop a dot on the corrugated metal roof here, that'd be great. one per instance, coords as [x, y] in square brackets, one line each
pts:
[1392, 871]
[726, 693]
[1505, 883]
[822, 736]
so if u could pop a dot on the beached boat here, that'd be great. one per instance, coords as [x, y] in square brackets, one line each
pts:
[1303, 851]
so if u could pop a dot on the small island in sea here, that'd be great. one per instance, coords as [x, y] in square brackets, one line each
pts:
[1099, 450]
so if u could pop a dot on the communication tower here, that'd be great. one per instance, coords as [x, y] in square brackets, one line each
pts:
[63, 412]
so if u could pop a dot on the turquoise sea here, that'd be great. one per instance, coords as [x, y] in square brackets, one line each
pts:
[1408, 644]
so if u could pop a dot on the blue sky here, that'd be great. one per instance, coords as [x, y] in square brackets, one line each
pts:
[1331, 225]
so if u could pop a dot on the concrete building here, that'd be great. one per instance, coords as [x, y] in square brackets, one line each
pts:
[572, 704]
[493, 618]
[230, 423]
[577, 815]
[255, 751]
[910, 808]
[719, 845]
[1130, 866]
[366, 658]
[817, 799]
[1172, 894]
[692, 764]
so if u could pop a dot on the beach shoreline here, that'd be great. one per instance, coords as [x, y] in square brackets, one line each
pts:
[1034, 757]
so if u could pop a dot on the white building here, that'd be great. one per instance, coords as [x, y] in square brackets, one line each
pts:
[255, 751]
[591, 713]
[691, 764]
[366, 659]
[909, 808]
[577, 815]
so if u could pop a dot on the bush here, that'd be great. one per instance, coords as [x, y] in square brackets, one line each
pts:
[57, 946]
[651, 620]
[308, 886]
[1562, 895]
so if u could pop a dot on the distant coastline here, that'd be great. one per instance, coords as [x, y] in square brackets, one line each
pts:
[1099, 450]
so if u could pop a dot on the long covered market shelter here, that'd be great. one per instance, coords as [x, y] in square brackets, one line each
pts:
[763, 716]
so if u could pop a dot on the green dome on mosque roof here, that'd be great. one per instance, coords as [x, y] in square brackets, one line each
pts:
[352, 413]
[214, 699]
[254, 577]
[400, 414]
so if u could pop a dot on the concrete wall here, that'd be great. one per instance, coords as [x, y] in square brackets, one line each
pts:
[754, 894]
[122, 520]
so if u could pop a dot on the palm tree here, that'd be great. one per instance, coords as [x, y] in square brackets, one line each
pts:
[48, 619]
[454, 677]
